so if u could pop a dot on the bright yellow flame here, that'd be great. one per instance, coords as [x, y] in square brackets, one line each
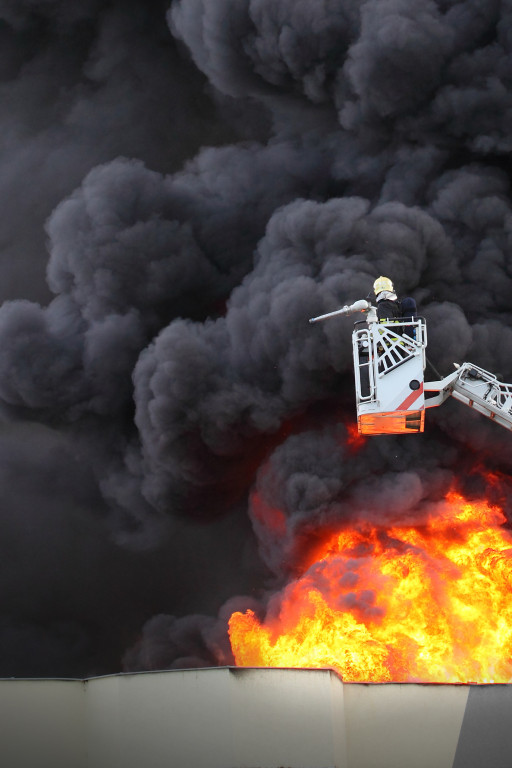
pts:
[431, 603]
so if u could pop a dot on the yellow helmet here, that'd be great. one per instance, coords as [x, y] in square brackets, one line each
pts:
[382, 284]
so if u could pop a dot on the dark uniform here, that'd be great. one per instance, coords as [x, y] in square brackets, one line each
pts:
[388, 309]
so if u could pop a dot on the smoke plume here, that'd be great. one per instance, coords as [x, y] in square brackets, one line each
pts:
[185, 183]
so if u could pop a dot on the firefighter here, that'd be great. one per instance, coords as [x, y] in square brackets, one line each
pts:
[388, 306]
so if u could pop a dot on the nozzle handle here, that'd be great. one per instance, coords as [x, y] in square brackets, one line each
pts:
[358, 306]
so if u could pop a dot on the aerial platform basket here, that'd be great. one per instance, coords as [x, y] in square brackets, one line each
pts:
[389, 364]
[389, 367]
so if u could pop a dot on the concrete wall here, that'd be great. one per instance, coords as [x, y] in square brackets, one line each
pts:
[252, 718]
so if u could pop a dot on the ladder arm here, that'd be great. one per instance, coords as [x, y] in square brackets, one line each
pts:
[476, 388]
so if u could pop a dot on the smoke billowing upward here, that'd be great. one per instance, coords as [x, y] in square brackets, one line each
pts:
[184, 184]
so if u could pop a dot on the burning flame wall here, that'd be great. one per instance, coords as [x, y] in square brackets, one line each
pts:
[177, 441]
[426, 601]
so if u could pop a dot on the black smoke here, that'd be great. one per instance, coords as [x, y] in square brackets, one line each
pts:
[184, 184]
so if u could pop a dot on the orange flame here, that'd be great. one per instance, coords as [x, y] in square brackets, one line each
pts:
[430, 603]
[355, 440]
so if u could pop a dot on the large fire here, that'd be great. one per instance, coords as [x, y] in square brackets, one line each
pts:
[429, 603]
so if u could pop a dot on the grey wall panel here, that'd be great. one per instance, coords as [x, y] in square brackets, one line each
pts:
[217, 718]
[42, 724]
[160, 720]
[278, 723]
[403, 726]
[486, 734]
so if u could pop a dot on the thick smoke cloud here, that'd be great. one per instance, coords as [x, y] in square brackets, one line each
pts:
[185, 184]
[261, 363]
[82, 83]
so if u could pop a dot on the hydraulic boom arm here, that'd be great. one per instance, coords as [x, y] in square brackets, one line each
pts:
[476, 388]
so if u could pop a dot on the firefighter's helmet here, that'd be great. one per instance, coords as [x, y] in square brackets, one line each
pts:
[382, 284]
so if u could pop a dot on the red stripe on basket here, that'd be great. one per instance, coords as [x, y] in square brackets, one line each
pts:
[410, 399]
